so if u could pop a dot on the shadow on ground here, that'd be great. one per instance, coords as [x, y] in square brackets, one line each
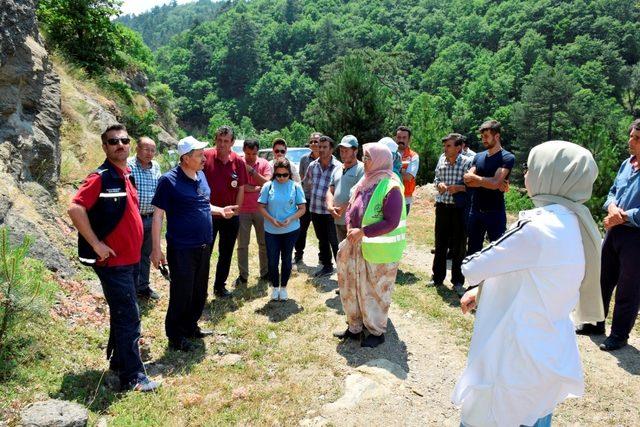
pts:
[277, 311]
[217, 308]
[628, 356]
[95, 389]
[393, 349]
[406, 278]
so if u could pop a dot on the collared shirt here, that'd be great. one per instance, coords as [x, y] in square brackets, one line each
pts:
[343, 180]
[186, 203]
[250, 202]
[450, 174]
[224, 179]
[146, 181]
[625, 192]
[126, 238]
[468, 153]
[281, 200]
[320, 178]
[305, 161]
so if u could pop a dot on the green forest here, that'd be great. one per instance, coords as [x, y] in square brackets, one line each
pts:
[546, 69]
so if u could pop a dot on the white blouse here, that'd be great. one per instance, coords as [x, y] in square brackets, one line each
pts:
[524, 358]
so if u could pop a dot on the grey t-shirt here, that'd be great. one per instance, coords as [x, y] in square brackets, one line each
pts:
[343, 181]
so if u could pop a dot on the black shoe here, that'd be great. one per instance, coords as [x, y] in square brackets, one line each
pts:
[347, 334]
[589, 329]
[433, 251]
[372, 341]
[241, 281]
[297, 259]
[459, 289]
[114, 367]
[434, 283]
[182, 344]
[612, 343]
[222, 293]
[327, 270]
[148, 294]
[201, 333]
[141, 383]
[265, 277]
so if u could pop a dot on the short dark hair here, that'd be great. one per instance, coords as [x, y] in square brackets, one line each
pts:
[225, 130]
[117, 126]
[455, 137]
[281, 163]
[635, 125]
[327, 138]
[251, 144]
[404, 129]
[492, 125]
[278, 141]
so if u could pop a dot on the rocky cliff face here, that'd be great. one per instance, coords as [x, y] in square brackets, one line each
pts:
[30, 119]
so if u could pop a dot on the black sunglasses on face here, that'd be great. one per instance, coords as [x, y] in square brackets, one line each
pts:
[116, 141]
[282, 175]
[280, 151]
[313, 141]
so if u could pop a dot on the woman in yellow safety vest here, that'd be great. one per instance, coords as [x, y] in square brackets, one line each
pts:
[368, 258]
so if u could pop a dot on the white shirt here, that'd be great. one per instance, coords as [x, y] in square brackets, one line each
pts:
[524, 358]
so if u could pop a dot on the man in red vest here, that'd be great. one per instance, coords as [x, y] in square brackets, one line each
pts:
[410, 163]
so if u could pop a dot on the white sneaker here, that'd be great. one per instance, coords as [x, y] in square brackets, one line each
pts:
[275, 294]
[283, 294]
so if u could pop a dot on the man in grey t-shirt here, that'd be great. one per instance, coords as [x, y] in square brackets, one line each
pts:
[342, 181]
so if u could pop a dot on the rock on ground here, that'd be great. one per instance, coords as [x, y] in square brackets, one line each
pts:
[54, 413]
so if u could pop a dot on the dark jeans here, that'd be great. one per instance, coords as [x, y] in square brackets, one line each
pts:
[189, 270]
[325, 230]
[228, 229]
[620, 254]
[305, 220]
[124, 320]
[408, 207]
[450, 234]
[280, 247]
[141, 270]
[492, 224]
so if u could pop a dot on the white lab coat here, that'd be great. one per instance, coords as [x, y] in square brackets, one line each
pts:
[524, 358]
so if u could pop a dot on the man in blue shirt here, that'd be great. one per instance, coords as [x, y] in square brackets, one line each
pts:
[183, 193]
[488, 177]
[620, 250]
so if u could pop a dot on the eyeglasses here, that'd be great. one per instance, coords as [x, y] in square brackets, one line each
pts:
[282, 175]
[280, 151]
[366, 158]
[525, 167]
[116, 141]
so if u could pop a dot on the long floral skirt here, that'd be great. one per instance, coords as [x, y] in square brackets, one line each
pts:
[365, 289]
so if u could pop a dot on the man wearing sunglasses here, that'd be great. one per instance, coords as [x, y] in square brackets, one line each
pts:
[279, 147]
[105, 212]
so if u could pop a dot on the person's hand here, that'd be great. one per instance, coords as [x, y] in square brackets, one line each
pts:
[504, 186]
[442, 187]
[229, 211]
[336, 212]
[468, 300]
[471, 179]
[354, 235]
[616, 213]
[157, 257]
[275, 222]
[611, 221]
[285, 222]
[103, 251]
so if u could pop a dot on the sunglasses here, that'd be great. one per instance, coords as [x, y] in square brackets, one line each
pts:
[314, 141]
[282, 175]
[280, 151]
[116, 141]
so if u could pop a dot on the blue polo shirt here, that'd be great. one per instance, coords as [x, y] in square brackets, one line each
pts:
[483, 199]
[186, 204]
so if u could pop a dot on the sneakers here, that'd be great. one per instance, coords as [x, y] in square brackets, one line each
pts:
[612, 342]
[279, 294]
[372, 341]
[275, 294]
[141, 383]
[148, 294]
[327, 270]
[283, 294]
[433, 283]
[589, 329]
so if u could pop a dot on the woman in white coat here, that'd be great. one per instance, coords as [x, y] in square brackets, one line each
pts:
[524, 359]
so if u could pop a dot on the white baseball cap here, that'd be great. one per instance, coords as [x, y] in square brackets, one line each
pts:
[188, 144]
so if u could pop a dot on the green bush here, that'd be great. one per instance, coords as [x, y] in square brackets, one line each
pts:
[140, 123]
[516, 200]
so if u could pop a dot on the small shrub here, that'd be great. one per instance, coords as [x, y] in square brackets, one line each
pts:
[516, 200]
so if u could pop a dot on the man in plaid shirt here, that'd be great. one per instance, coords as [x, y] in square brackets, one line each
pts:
[145, 172]
[450, 208]
[319, 174]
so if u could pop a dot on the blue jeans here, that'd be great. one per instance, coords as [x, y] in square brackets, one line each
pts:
[491, 224]
[124, 320]
[141, 270]
[280, 247]
[542, 422]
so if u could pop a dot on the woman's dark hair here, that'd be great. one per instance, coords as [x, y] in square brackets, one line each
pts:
[281, 163]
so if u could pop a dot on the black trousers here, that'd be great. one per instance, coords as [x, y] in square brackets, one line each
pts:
[228, 230]
[305, 220]
[450, 235]
[189, 269]
[325, 230]
[620, 268]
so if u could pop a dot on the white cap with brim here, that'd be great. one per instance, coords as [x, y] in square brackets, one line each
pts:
[349, 141]
[188, 144]
[390, 143]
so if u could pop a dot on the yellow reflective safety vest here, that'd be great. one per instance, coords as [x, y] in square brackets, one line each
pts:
[388, 247]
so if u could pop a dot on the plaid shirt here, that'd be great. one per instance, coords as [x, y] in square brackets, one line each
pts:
[450, 174]
[146, 182]
[320, 180]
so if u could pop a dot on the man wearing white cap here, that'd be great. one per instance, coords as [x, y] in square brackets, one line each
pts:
[183, 193]
[342, 181]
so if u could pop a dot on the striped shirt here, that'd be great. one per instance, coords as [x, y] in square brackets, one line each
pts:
[320, 179]
[450, 174]
[146, 180]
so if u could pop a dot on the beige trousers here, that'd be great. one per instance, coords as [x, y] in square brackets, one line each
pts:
[244, 237]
